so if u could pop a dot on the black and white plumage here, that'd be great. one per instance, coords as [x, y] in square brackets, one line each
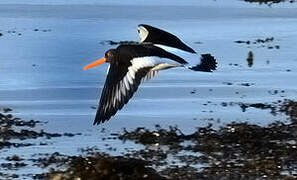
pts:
[132, 63]
[150, 34]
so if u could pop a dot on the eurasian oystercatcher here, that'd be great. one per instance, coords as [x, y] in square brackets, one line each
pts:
[132, 63]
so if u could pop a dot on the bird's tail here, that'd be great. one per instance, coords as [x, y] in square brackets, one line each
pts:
[207, 64]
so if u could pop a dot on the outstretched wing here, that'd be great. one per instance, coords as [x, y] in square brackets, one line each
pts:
[120, 85]
[150, 34]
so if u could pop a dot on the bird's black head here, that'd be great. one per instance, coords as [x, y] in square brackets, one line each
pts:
[110, 55]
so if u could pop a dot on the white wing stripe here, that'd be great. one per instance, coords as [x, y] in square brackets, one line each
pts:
[123, 87]
[151, 61]
[132, 73]
[191, 58]
[115, 96]
[129, 78]
[126, 83]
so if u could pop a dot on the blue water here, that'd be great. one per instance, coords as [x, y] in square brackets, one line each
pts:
[42, 77]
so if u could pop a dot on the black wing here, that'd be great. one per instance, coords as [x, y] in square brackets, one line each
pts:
[159, 36]
[119, 87]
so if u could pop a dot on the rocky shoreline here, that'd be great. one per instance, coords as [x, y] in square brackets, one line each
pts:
[236, 150]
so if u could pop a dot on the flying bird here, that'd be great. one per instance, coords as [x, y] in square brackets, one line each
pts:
[130, 64]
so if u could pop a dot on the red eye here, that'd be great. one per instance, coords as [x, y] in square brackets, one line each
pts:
[107, 54]
[110, 53]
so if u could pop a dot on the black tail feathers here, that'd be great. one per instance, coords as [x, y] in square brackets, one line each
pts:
[208, 64]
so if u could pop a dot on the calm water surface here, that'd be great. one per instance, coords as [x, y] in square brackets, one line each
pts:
[44, 47]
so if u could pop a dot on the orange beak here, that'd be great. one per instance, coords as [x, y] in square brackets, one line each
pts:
[96, 63]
